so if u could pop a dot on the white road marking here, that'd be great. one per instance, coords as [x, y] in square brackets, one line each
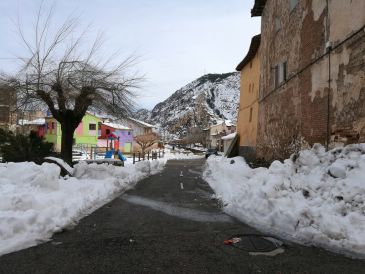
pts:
[181, 174]
[182, 185]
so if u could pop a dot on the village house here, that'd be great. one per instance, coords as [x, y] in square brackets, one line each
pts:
[249, 69]
[8, 116]
[38, 126]
[123, 136]
[31, 121]
[85, 136]
[312, 76]
[219, 130]
[139, 128]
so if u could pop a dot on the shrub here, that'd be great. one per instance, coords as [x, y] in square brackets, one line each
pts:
[22, 148]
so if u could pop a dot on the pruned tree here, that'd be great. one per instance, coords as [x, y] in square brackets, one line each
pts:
[65, 73]
[147, 140]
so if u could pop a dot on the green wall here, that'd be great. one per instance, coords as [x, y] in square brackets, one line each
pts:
[87, 137]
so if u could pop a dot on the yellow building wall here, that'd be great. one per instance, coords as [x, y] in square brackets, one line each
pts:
[249, 93]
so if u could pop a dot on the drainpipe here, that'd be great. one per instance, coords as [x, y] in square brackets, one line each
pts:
[329, 99]
[328, 49]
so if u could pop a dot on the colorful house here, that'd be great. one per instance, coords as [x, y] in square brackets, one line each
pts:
[27, 126]
[123, 135]
[86, 134]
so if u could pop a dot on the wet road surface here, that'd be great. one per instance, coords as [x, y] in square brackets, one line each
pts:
[167, 224]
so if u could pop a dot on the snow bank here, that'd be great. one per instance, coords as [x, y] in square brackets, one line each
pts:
[36, 202]
[62, 163]
[180, 154]
[316, 198]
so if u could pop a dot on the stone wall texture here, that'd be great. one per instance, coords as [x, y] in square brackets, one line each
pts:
[323, 96]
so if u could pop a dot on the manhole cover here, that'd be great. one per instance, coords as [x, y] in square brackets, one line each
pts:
[256, 244]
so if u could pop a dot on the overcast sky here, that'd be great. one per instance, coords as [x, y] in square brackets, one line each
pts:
[177, 41]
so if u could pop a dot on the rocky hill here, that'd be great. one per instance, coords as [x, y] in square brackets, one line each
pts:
[205, 101]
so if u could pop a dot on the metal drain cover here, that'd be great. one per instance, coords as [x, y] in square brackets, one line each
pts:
[256, 244]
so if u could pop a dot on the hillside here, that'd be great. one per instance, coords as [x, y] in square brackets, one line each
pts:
[205, 101]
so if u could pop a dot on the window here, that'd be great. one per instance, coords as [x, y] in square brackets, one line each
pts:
[250, 118]
[107, 131]
[92, 126]
[280, 73]
[293, 4]
[253, 85]
[277, 24]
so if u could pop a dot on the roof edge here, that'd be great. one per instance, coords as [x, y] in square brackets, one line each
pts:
[254, 46]
[258, 8]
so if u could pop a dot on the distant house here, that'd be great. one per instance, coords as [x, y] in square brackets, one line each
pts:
[123, 134]
[138, 127]
[7, 108]
[219, 130]
[29, 121]
[249, 69]
[86, 134]
[37, 125]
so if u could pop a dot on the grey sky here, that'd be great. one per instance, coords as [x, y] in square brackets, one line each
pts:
[177, 40]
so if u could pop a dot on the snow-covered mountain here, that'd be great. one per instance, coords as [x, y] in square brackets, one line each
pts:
[205, 101]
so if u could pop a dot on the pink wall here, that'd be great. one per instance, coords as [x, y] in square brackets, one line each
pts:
[79, 130]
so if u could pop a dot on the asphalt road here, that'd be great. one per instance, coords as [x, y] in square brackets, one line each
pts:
[167, 224]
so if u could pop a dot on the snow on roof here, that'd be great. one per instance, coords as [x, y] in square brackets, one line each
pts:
[142, 123]
[116, 125]
[229, 136]
[39, 121]
[228, 123]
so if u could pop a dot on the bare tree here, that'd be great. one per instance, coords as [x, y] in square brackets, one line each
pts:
[147, 140]
[63, 73]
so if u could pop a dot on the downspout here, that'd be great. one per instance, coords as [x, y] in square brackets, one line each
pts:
[328, 49]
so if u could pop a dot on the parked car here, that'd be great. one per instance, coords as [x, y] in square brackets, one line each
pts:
[210, 151]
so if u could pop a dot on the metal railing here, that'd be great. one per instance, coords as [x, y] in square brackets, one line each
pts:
[153, 155]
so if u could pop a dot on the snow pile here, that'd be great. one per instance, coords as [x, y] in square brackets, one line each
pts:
[315, 198]
[36, 202]
[61, 163]
[180, 154]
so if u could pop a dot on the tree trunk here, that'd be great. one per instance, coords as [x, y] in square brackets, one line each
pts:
[68, 130]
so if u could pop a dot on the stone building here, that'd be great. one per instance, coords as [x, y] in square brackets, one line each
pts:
[7, 108]
[217, 131]
[249, 69]
[312, 74]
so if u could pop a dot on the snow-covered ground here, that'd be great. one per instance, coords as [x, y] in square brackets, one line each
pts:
[316, 198]
[36, 202]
